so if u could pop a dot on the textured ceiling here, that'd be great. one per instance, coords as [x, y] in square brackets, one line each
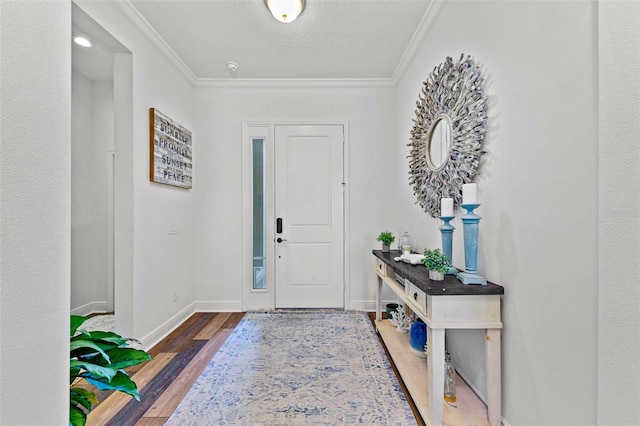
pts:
[358, 39]
[332, 39]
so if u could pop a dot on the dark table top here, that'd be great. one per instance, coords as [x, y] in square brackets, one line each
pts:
[419, 276]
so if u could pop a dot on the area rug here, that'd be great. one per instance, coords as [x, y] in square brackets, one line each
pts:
[297, 368]
[100, 322]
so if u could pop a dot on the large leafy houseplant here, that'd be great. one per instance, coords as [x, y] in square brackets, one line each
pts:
[100, 358]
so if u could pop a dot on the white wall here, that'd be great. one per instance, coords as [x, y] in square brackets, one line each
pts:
[219, 116]
[92, 130]
[161, 263]
[35, 108]
[619, 214]
[539, 193]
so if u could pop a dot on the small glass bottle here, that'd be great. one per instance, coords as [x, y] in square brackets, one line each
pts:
[449, 379]
[405, 243]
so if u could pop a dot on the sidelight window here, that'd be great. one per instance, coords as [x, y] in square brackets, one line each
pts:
[259, 214]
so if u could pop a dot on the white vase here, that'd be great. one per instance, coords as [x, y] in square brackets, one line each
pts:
[435, 275]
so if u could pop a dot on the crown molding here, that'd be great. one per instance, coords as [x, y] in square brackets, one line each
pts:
[131, 13]
[427, 20]
[261, 83]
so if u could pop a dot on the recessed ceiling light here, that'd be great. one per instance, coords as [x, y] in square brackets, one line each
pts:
[82, 41]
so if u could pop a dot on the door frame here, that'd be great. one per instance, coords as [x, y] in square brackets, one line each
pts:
[265, 299]
[111, 282]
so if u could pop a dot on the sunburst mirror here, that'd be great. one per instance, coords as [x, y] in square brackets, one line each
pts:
[447, 134]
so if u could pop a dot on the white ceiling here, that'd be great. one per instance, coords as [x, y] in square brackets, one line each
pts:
[331, 39]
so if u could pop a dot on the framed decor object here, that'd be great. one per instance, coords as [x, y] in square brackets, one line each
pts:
[170, 151]
[448, 133]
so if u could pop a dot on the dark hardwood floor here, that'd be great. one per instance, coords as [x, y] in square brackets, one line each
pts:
[177, 362]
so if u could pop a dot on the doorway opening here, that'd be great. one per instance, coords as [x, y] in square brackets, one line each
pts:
[101, 174]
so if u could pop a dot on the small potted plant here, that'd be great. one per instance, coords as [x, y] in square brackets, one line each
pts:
[437, 263]
[386, 238]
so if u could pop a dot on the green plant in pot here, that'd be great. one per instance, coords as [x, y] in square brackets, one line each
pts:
[386, 238]
[437, 263]
[100, 358]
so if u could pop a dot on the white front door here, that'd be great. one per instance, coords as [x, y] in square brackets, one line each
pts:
[309, 210]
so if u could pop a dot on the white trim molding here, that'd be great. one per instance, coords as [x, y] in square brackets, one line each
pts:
[129, 11]
[218, 306]
[421, 31]
[153, 338]
[261, 83]
[91, 308]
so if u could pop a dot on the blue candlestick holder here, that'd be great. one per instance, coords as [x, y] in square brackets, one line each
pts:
[471, 223]
[447, 241]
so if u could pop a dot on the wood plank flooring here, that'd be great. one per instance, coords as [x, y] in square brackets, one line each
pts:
[178, 360]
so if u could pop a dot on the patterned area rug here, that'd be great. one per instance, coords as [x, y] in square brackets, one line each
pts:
[100, 322]
[297, 368]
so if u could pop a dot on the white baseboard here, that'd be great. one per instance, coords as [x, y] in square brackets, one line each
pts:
[153, 338]
[90, 308]
[218, 306]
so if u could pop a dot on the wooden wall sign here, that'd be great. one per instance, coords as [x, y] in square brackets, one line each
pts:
[170, 151]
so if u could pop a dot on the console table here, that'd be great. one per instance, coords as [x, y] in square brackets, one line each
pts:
[442, 305]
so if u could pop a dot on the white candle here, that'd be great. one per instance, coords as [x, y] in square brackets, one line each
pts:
[446, 207]
[470, 193]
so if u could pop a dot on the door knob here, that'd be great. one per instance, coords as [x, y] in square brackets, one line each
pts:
[279, 240]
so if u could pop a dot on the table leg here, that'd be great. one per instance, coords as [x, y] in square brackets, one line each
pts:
[378, 291]
[492, 347]
[435, 375]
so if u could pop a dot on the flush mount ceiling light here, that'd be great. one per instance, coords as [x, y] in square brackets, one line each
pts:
[285, 10]
[82, 41]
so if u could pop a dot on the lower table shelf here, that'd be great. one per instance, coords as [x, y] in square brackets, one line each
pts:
[468, 408]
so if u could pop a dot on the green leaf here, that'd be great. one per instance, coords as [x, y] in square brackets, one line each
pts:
[77, 417]
[126, 357]
[76, 321]
[85, 352]
[83, 397]
[107, 336]
[93, 370]
[104, 337]
[121, 382]
[87, 344]
[73, 373]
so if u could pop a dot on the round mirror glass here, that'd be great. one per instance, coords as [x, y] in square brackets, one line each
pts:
[439, 144]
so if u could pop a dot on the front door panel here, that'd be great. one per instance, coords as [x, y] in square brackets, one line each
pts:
[309, 202]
